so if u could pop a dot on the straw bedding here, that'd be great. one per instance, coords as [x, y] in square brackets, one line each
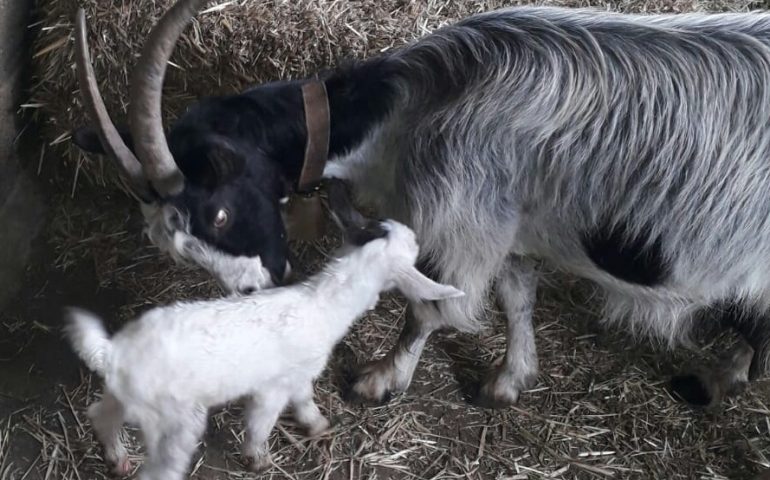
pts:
[600, 410]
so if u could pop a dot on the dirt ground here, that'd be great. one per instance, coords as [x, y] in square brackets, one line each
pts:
[601, 408]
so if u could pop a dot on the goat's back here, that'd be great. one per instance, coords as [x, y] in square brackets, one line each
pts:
[629, 149]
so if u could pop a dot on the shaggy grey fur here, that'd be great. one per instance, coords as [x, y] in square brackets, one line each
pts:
[520, 130]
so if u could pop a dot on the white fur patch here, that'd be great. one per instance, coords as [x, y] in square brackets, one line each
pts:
[169, 231]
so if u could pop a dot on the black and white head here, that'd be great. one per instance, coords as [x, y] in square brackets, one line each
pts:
[210, 195]
[389, 243]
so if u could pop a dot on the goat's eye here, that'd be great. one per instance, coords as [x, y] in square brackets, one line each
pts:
[221, 219]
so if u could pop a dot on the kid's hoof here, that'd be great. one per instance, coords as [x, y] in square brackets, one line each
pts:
[257, 464]
[122, 467]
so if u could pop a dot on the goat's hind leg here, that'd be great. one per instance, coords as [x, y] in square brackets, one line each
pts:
[744, 363]
[708, 387]
[516, 288]
[107, 416]
[755, 329]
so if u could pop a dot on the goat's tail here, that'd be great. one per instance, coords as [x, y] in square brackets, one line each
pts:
[88, 337]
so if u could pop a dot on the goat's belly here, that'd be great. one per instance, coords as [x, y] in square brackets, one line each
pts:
[640, 270]
[187, 388]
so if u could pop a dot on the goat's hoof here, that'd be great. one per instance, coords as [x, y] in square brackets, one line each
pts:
[357, 397]
[374, 386]
[501, 389]
[257, 463]
[693, 389]
[122, 467]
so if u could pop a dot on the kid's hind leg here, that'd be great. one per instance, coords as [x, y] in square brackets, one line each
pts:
[262, 411]
[107, 416]
[171, 442]
[306, 412]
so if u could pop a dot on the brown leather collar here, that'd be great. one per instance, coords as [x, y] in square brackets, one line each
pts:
[316, 104]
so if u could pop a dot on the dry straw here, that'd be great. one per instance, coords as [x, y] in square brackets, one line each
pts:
[600, 409]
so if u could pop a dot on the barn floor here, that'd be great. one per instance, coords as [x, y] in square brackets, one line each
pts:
[600, 410]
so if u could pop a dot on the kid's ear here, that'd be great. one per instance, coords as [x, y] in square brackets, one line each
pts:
[419, 288]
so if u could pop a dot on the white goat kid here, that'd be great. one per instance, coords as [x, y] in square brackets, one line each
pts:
[164, 370]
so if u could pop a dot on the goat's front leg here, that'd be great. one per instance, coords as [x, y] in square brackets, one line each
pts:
[516, 288]
[460, 263]
[306, 412]
[393, 373]
[107, 417]
[262, 411]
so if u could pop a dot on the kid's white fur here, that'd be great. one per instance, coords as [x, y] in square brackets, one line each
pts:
[164, 370]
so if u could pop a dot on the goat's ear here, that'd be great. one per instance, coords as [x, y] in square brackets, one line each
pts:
[419, 288]
[87, 139]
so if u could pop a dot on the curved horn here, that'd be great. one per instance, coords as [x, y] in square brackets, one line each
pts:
[92, 101]
[146, 90]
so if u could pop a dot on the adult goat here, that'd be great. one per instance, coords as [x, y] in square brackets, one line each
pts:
[630, 150]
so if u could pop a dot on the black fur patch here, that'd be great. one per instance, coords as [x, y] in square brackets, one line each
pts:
[360, 96]
[264, 125]
[633, 260]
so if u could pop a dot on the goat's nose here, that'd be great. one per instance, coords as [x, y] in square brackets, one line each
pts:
[247, 290]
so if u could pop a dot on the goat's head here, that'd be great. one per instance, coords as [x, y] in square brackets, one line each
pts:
[392, 243]
[209, 194]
